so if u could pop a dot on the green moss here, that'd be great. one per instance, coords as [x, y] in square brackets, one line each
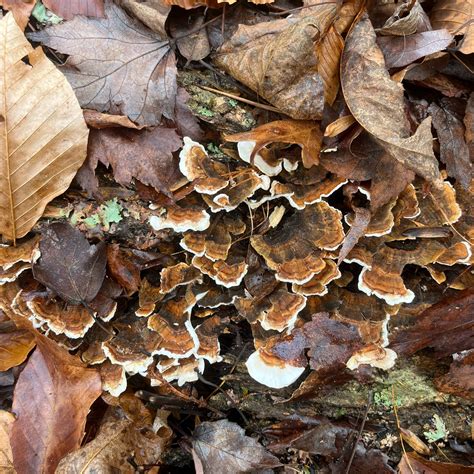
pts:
[204, 111]
[439, 432]
[232, 102]
[92, 221]
[110, 212]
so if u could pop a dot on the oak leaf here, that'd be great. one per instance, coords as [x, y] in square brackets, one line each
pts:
[223, 447]
[377, 103]
[457, 17]
[135, 74]
[51, 400]
[42, 132]
[69, 265]
[67, 9]
[307, 134]
[282, 66]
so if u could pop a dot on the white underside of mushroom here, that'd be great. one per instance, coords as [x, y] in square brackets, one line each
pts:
[116, 389]
[371, 358]
[245, 150]
[162, 222]
[270, 375]
[407, 297]
[131, 367]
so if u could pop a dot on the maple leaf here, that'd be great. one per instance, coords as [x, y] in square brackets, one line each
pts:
[222, 446]
[69, 265]
[377, 103]
[135, 74]
[42, 132]
[145, 155]
[51, 400]
[67, 9]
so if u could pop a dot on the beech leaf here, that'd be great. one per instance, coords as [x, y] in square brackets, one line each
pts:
[42, 132]
[51, 400]
[69, 265]
[307, 134]
[222, 447]
[6, 456]
[67, 9]
[377, 103]
[15, 347]
[135, 74]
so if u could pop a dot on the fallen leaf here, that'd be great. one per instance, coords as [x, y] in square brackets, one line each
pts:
[21, 10]
[456, 16]
[120, 446]
[99, 120]
[446, 327]
[187, 123]
[339, 125]
[152, 13]
[138, 80]
[412, 463]
[281, 67]
[144, 155]
[67, 9]
[43, 132]
[377, 103]
[6, 456]
[407, 19]
[400, 51]
[306, 134]
[15, 345]
[193, 46]
[51, 400]
[357, 230]
[329, 51]
[223, 447]
[453, 149]
[459, 380]
[69, 265]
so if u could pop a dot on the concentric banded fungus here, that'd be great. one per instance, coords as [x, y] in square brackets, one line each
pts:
[277, 311]
[177, 275]
[279, 362]
[264, 160]
[176, 337]
[460, 252]
[71, 320]
[228, 273]
[215, 242]
[218, 296]
[373, 355]
[207, 175]
[381, 222]
[181, 219]
[383, 277]
[148, 296]
[318, 283]
[186, 371]
[94, 354]
[242, 185]
[208, 335]
[292, 250]
[23, 252]
[113, 378]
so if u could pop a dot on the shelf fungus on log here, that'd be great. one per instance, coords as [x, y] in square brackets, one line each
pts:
[180, 219]
[177, 275]
[294, 249]
[228, 273]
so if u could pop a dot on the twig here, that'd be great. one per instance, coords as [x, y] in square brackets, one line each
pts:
[359, 434]
[394, 404]
[241, 99]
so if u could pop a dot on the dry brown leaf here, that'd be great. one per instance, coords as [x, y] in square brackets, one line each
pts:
[338, 126]
[119, 441]
[51, 400]
[98, 120]
[305, 133]
[400, 51]
[138, 80]
[223, 447]
[6, 456]
[412, 463]
[193, 46]
[67, 9]
[15, 346]
[404, 23]
[377, 103]
[329, 52]
[358, 228]
[21, 10]
[43, 134]
[281, 67]
[153, 13]
[457, 17]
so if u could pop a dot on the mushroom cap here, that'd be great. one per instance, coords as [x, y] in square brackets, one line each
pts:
[21, 252]
[373, 355]
[207, 175]
[186, 371]
[317, 286]
[264, 161]
[114, 379]
[177, 275]
[181, 219]
[208, 335]
[228, 273]
[271, 373]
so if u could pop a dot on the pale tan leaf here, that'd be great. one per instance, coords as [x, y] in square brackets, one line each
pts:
[457, 16]
[21, 10]
[42, 132]
[329, 54]
[6, 457]
[339, 125]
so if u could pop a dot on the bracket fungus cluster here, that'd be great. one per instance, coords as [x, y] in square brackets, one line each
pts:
[299, 254]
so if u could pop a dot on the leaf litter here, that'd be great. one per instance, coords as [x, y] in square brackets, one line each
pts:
[236, 239]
